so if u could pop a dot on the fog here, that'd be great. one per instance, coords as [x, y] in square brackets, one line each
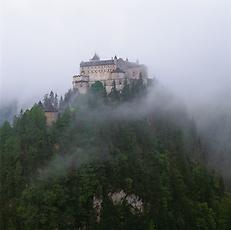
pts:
[185, 44]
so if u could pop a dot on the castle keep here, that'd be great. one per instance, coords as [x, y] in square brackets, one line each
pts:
[107, 71]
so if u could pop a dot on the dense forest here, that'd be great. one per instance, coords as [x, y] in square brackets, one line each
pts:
[124, 160]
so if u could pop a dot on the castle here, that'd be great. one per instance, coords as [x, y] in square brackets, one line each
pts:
[107, 71]
[115, 70]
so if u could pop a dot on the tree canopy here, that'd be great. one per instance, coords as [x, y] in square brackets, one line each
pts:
[104, 166]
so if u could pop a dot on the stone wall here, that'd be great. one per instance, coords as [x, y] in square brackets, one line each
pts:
[105, 71]
[98, 73]
[51, 117]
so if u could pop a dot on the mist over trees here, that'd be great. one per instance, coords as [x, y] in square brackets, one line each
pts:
[126, 160]
[214, 126]
[8, 111]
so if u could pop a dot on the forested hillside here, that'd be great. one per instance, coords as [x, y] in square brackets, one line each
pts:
[126, 160]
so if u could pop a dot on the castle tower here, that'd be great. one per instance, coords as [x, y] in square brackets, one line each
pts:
[51, 117]
[81, 83]
[106, 71]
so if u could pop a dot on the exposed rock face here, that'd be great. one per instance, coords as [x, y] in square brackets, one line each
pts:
[133, 200]
[97, 205]
[135, 203]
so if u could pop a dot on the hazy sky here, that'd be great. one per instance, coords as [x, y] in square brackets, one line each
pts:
[186, 44]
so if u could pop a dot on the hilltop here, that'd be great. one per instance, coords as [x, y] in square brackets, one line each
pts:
[130, 159]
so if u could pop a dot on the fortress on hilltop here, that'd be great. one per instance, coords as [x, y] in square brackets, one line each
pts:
[108, 71]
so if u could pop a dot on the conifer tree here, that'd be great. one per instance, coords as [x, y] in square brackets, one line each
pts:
[114, 94]
[125, 93]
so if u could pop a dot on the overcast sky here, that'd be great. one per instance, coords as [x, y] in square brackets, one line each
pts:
[186, 44]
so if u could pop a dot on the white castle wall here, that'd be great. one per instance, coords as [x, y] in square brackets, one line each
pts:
[98, 71]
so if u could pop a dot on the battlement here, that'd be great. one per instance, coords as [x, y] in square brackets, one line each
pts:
[80, 78]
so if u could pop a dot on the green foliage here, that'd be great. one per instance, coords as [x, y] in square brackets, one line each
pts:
[50, 177]
[97, 94]
[114, 94]
[125, 93]
[97, 88]
[24, 148]
[225, 212]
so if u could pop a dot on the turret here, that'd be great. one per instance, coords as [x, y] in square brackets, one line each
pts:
[81, 83]
[95, 58]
